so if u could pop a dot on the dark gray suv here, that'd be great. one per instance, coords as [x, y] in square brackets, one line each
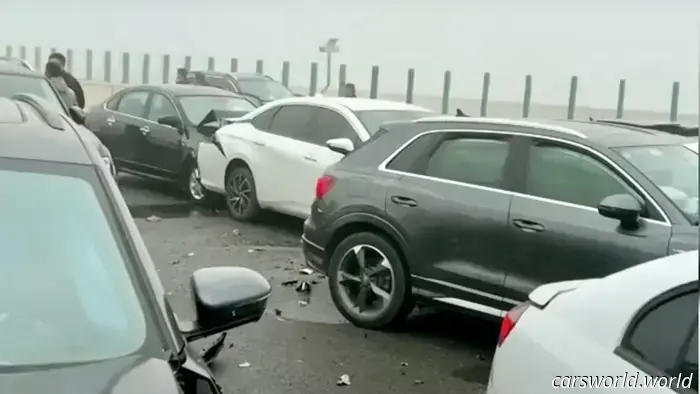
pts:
[475, 213]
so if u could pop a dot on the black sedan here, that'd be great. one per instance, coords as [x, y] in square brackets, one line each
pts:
[154, 131]
[475, 213]
[258, 87]
[82, 309]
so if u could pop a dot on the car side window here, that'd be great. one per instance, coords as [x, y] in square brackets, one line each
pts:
[292, 121]
[661, 335]
[329, 125]
[567, 175]
[471, 160]
[113, 102]
[133, 103]
[406, 159]
[263, 121]
[161, 106]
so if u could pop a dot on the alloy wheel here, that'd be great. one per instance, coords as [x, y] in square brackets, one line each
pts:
[195, 185]
[239, 194]
[366, 280]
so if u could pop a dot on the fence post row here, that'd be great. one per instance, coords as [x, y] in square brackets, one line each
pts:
[342, 79]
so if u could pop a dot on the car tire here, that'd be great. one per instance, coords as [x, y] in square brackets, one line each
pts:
[393, 311]
[192, 185]
[241, 195]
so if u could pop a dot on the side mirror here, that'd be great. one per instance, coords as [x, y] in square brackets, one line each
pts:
[225, 298]
[622, 207]
[77, 114]
[172, 121]
[340, 145]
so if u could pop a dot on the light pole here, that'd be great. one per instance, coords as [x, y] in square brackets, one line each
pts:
[329, 49]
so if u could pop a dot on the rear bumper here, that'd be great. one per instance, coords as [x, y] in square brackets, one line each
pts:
[314, 254]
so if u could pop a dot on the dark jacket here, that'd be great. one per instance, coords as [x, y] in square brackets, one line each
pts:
[73, 83]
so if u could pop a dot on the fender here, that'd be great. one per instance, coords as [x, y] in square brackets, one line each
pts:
[373, 219]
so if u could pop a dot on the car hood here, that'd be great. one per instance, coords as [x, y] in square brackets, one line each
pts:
[127, 375]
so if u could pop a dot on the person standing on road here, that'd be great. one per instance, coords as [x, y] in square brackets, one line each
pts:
[55, 74]
[349, 90]
[200, 79]
[181, 78]
[69, 79]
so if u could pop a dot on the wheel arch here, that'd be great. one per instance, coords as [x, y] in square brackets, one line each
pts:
[238, 162]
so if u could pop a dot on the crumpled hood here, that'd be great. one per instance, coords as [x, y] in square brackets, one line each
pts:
[127, 375]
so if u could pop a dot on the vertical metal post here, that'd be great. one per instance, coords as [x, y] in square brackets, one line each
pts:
[88, 64]
[188, 62]
[259, 67]
[621, 99]
[285, 73]
[166, 69]
[108, 67]
[410, 83]
[211, 64]
[126, 67]
[342, 78]
[374, 83]
[573, 90]
[314, 79]
[233, 65]
[527, 97]
[69, 60]
[8, 50]
[485, 88]
[675, 95]
[23, 52]
[38, 61]
[446, 84]
[146, 71]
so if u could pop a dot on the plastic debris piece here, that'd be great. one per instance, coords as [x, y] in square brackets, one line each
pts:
[344, 380]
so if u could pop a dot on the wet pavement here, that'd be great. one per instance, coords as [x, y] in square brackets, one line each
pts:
[302, 345]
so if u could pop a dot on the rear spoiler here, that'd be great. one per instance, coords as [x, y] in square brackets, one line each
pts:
[543, 295]
[670, 128]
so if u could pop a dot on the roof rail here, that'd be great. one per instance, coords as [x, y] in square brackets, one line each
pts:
[51, 118]
[498, 121]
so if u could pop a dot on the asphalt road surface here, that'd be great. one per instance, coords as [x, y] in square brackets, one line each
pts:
[302, 345]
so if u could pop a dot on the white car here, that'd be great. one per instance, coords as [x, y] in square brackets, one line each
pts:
[634, 329]
[272, 157]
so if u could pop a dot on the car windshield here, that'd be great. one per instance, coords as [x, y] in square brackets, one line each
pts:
[12, 84]
[673, 168]
[372, 120]
[66, 294]
[263, 88]
[197, 107]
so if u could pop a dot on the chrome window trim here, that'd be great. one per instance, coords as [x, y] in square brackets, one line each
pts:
[600, 156]
[149, 92]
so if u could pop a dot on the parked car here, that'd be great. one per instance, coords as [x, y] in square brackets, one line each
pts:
[666, 127]
[82, 303]
[633, 329]
[257, 87]
[271, 157]
[15, 62]
[154, 130]
[475, 213]
[23, 81]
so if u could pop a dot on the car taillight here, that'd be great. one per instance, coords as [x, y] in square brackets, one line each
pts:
[510, 320]
[324, 184]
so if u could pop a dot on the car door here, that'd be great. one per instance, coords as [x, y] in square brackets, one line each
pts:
[165, 144]
[452, 205]
[283, 165]
[661, 340]
[125, 123]
[555, 226]
[326, 124]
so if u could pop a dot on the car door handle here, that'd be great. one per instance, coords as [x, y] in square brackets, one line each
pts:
[259, 143]
[110, 121]
[405, 201]
[145, 130]
[310, 158]
[528, 226]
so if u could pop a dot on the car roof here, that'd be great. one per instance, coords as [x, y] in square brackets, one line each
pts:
[606, 134]
[26, 130]
[354, 104]
[190, 90]
[235, 74]
[11, 69]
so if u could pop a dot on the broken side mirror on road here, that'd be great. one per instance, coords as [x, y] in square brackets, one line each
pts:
[225, 298]
[340, 145]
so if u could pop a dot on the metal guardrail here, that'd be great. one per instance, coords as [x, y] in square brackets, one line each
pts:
[233, 66]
